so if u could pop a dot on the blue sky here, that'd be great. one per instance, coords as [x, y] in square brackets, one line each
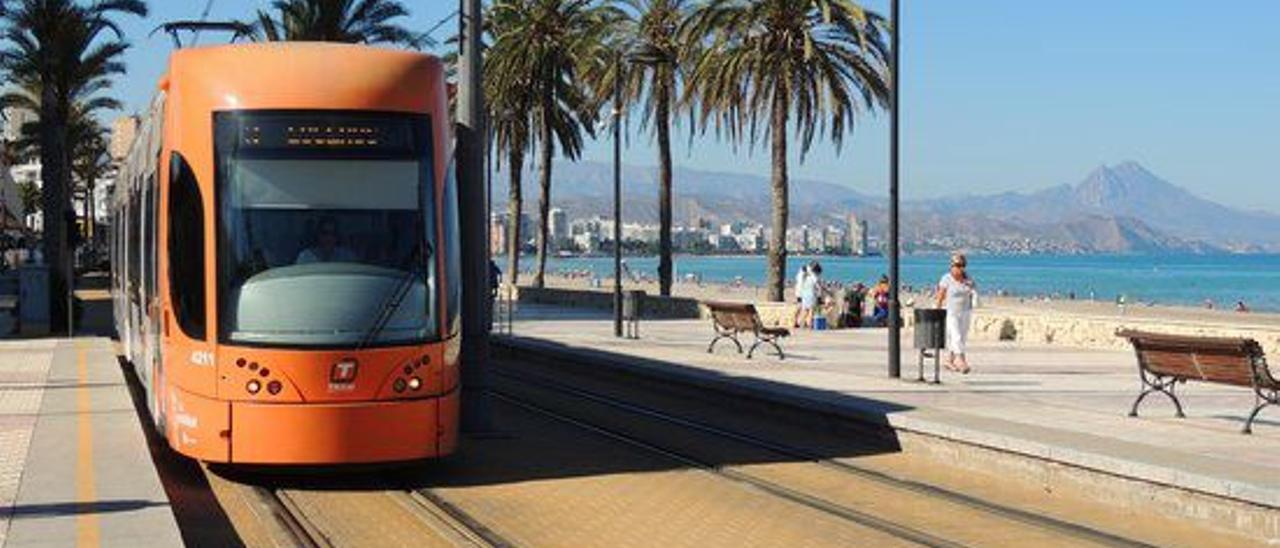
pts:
[998, 95]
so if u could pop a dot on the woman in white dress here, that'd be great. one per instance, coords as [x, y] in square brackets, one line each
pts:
[801, 278]
[956, 291]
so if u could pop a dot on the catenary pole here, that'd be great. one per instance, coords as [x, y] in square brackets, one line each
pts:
[473, 211]
[617, 200]
[895, 317]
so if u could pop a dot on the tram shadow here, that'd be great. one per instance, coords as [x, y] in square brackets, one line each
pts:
[554, 418]
[560, 415]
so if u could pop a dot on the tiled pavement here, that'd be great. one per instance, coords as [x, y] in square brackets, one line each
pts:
[24, 367]
[74, 464]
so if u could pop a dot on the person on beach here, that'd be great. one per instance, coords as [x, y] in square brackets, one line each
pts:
[809, 293]
[853, 298]
[956, 292]
[801, 277]
[880, 296]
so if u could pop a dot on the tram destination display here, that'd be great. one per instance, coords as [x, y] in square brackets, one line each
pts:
[274, 131]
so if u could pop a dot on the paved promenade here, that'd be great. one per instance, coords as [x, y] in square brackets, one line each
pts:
[74, 464]
[1060, 404]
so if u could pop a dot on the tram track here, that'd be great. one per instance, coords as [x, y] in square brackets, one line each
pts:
[517, 388]
[290, 519]
[781, 491]
[276, 511]
[446, 513]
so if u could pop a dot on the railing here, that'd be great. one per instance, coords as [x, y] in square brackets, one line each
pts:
[505, 300]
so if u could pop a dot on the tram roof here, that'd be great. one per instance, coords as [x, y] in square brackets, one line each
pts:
[284, 75]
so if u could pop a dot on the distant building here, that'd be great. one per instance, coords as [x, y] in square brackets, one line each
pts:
[640, 233]
[587, 242]
[683, 238]
[750, 242]
[14, 119]
[497, 233]
[12, 211]
[558, 227]
[28, 172]
[817, 238]
[798, 238]
[857, 233]
[833, 239]
[123, 130]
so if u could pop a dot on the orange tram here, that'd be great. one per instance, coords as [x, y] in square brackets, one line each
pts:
[285, 255]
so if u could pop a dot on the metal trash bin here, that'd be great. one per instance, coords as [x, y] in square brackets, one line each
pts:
[930, 338]
[632, 310]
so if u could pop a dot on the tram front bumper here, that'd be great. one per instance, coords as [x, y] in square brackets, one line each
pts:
[339, 433]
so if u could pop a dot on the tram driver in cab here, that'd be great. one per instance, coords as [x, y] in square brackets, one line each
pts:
[326, 248]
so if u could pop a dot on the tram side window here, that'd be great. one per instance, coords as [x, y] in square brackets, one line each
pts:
[149, 208]
[134, 253]
[452, 253]
[186, 248]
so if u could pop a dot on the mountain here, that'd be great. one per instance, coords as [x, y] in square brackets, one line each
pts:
[1115, 209]
[585, 189]
[1128, 190]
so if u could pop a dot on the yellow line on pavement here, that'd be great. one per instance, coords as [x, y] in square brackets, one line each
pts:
[87, 533]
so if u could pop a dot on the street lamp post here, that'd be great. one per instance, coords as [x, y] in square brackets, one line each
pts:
[617, 199]
[895, 317]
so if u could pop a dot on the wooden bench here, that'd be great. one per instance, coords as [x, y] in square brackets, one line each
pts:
[731, 319]
[1165, 360]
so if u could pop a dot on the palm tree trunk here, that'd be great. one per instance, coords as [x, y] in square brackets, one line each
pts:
[515, 203]
[88, 210]
[778, 241]
[662, 120]
[544, 200]
[53, 156]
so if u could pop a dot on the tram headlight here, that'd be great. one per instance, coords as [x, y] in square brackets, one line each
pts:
[274, 387]
[415, 383]
[398, 385]
[253, 386]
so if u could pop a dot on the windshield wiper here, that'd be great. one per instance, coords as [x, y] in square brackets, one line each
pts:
[393, 300]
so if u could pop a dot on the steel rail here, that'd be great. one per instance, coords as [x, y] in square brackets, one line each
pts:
[291, 518]
[448, 514]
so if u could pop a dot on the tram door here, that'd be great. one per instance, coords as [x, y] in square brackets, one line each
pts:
[151, 318]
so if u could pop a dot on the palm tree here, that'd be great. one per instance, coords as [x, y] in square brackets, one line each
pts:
[352, 21]
[68, 51]
[89, 161]
[550, 47]
[82, 124]
[509, 123]
[86, 139]
[649, 32]
[819, 62]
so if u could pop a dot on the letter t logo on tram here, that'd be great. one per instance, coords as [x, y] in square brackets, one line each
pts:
[344, 372]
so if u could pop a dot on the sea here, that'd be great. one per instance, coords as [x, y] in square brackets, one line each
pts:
[1187, 280]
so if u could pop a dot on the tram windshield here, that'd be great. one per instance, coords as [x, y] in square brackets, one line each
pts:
[323, 230]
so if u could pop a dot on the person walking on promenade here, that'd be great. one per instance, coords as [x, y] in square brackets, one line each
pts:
[801, 278]
[957, 291]
[809, 292]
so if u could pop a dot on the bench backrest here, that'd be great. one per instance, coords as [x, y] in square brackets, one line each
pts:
[736, 316]
[1214, 359]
